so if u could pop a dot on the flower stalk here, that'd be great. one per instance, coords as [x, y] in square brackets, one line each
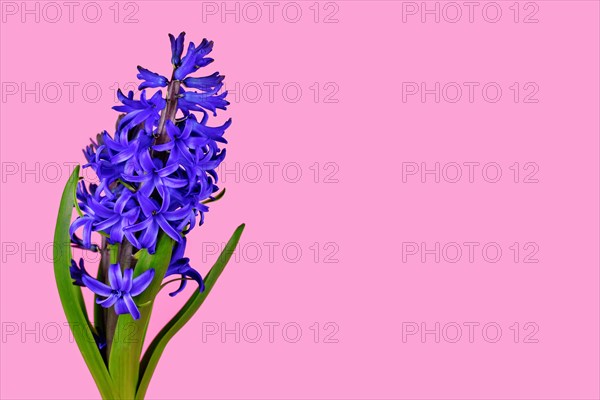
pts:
[169, 112]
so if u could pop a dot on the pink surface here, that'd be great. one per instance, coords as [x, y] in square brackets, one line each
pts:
[348, 248]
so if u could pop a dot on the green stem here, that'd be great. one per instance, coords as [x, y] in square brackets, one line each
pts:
[127, 185]
[122, 363]
[99, 311]
[126, 351]
[109, 316]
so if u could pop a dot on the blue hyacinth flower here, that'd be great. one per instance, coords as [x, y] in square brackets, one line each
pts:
[153, 175]
[196, 101]
[150, 79]
[176, 48]
[180, 265]
[140, 111]
[205, 83]
[77, 272]
[213, 133]
[181, 144]
[156, 219]
[123, 287]
[194, 59]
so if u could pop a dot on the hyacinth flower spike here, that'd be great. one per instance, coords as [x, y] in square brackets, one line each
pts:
[156, 174]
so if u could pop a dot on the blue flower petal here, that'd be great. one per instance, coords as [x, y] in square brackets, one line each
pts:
[131, 307]
[141, 282]
[115, 277]
[96, 286]
[121, 306]
[108, 302]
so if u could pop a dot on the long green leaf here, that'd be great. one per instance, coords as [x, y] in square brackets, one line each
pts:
[70, 295]
[156, 348]
[126, 350]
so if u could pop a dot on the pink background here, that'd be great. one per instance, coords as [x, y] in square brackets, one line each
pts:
[364, 217]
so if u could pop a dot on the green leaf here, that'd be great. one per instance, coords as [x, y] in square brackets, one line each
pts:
[126, 349]
[156, 348]
[70, 295]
